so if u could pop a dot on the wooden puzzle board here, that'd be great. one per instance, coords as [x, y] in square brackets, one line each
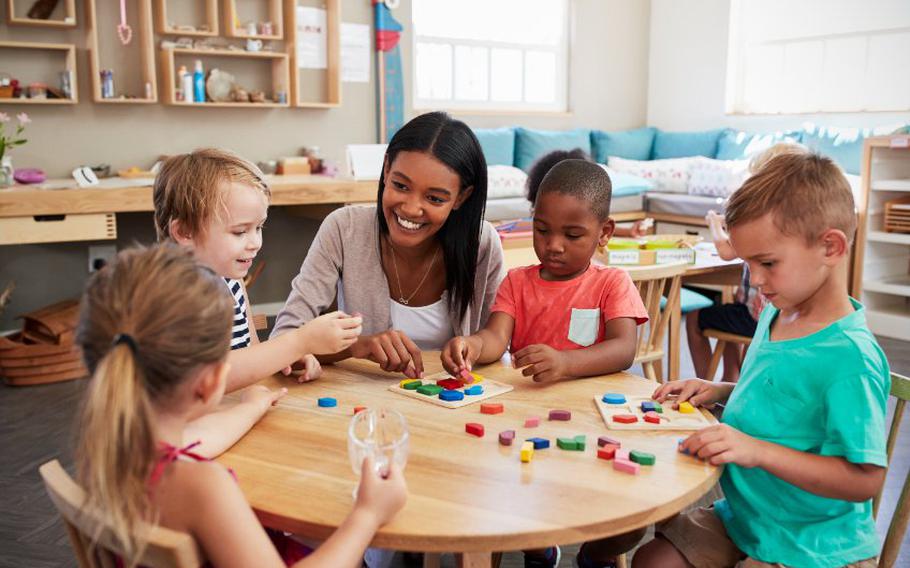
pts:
[670, 419]
[490, 389]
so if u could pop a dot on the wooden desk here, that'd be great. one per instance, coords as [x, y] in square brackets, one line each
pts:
[467, 495]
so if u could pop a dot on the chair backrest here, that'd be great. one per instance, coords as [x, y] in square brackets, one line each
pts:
[164, 549]
[652, 283]
[900, 389]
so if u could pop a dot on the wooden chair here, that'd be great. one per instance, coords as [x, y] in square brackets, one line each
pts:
[653, 283]
[900, 389]
[260, 322]
[165, 548]
[723, 338]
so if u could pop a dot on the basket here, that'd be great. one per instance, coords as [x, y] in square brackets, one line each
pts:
[897, 215]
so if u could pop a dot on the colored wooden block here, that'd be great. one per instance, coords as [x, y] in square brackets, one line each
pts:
[680, 448]
[539, 443]
[451, 395]
[686, 408]
[652, 417]
[622, 418]
[473, 390]
[648, 406]
[624, 466]
[560, 415]
[410, 384]
[327, 402]
[506, 437]
[605, 440]
[658, 408]
[477, 378]
[532, 422]
[474, 428]
[429, 390]
[359, 409]
[643, 458]
[450, 383]
[581, 442]
[466, 377]
[527, 451]
[491, 408]
[607, 452]
[614, 398]
[567, 444]
[622, 454]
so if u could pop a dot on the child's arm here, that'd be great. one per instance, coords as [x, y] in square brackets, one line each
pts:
[219, 430]
[827, 476]
[720, 236]
[698, 392]
[485, 346]
[615, 353]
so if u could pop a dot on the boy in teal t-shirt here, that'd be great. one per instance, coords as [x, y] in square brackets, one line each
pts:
[802, 434]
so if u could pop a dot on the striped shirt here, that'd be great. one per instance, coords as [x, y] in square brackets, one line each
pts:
[240, 330]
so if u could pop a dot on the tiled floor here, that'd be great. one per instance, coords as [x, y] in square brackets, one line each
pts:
[37, 425]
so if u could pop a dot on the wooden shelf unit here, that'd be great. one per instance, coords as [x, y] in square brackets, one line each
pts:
[211, 19]
[232, 16]
[69, 50]
[169, 73]
[332, 96]
[883, 270]
[143, 37]
[69, 20]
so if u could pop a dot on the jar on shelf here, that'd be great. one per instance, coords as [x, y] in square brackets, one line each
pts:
[37, 90]
[312, 153]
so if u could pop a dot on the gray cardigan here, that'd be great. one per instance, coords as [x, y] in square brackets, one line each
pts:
[346, 248]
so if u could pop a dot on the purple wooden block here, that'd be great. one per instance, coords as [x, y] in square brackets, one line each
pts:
[560, 415]
[506, 437]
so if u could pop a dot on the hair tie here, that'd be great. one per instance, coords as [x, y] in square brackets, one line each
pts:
[125, 338]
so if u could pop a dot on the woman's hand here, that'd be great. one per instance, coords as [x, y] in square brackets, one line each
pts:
[393, 350]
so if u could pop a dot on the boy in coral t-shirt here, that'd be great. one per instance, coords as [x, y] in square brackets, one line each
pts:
[565, 317]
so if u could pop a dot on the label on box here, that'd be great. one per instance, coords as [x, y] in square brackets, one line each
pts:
[668, 256]
[624, 257]
[900, 142]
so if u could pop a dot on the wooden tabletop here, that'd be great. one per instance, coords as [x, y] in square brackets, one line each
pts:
[466, 494]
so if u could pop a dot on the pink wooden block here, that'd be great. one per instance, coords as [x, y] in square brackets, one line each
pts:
[506, 437]
[532, 422]
[622, 455]
[626, 466]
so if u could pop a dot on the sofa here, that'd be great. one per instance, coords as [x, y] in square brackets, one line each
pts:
[667, 175]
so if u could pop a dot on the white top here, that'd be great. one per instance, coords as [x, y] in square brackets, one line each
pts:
[427, 326]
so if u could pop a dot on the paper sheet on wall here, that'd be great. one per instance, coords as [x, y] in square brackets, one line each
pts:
[355, 53]
[311, 38]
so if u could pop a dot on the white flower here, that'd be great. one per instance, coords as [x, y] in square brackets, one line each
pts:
[4, 117]
[23, 118]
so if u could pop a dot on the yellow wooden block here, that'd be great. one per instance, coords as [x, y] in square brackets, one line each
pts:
[686, 408]
[527, 451]
[477, 378]
[406, 381]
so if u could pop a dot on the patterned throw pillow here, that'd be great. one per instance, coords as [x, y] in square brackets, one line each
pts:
[505, 181]
[717, 178]
[670, 176]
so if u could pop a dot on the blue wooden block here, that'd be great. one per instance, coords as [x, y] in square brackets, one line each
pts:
[539, 443]
[679, 446]
[648, 406]
[451, 395]
[327, 402]
[614, 398]
[474, 390]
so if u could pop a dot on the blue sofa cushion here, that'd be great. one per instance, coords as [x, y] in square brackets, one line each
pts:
[629, 144]
[689, 301]
[739, 145]
[625, 184]
[843, 145]
[498, 145]
[532, 144]
[685, 144]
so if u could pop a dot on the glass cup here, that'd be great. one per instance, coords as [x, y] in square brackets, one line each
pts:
[381, 434]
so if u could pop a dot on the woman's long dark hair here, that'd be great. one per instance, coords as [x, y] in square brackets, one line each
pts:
[451, 142]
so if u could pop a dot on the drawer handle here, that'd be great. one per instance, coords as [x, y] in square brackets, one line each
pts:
[44, 218]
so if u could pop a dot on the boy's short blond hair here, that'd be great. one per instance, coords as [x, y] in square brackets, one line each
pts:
[805, 193]
[188, 188]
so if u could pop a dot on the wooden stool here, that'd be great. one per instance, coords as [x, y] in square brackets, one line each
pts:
[722, 338]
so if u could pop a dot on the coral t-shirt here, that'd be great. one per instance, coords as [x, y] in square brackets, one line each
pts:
[568, 314]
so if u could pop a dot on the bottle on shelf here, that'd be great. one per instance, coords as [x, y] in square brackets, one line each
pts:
[185, 85]
[199, 83]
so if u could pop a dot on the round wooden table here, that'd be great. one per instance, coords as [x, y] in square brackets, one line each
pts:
[466, 494]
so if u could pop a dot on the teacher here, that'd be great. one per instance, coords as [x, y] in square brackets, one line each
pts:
[421, 266]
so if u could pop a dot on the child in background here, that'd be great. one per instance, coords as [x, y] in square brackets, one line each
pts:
[215, 203]
[741, 316]
[158, 361]
[802, 434]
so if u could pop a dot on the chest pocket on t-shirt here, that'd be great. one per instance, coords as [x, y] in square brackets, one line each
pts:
[584, 325]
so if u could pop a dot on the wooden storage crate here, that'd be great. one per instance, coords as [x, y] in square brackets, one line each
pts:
[897, 215]
[57, 228]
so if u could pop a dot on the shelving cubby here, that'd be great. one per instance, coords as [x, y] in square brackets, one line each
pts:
[139, 53]
[30, 67]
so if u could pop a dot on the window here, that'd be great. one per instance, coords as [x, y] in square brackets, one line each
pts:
[491, 55]
[818, 56]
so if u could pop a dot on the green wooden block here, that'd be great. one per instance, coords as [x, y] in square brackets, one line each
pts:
[413, 385]
[643, 458]
[580, 441]
[567, 444]
[658, 408]
[429, 390]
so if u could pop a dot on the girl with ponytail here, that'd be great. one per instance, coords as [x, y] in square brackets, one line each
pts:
[155, 332]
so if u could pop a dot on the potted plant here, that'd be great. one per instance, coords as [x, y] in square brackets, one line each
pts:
[9, 140]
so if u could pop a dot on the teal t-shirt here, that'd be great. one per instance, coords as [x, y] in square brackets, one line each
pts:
[823, 394]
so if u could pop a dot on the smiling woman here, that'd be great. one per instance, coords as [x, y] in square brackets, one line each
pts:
[421, 266]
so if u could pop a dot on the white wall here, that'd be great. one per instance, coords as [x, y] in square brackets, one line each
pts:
[688, 72]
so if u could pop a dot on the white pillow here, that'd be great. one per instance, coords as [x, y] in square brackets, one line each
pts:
[717, 178]
[671, 175]
[505, 181]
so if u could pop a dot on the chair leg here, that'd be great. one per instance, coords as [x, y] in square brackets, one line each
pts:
[432, 560]
[715, 360]
[659, 371]
[622, 561]
[648, 368]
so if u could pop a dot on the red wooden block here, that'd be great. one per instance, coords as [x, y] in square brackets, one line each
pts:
[625, 418]
[450, 384]
[607, 452]
[604, 440]
[474, 428]
[491, 408]
[359, 409]
[560, 415]
[652, 417]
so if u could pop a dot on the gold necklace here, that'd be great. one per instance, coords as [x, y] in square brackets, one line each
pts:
[401, 298]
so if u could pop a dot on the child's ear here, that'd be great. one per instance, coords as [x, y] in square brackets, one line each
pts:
[211, 382]
[179, 232]
[463, 196]
[836, 245]
[606, 231]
